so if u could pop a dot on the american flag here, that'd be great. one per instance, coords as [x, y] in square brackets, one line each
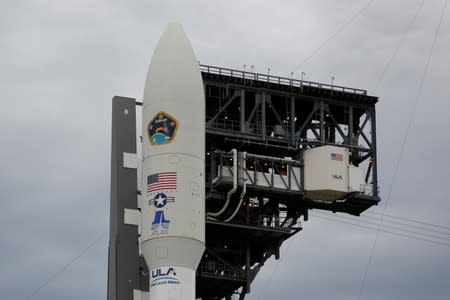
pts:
[337, 157]
[162, 181]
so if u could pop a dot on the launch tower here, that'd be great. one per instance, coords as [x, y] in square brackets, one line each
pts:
[275, 148]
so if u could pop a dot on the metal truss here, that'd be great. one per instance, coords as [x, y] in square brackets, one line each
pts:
[277, 112]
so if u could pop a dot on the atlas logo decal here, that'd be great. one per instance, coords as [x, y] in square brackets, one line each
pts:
[160, 224]
[164, 276]
[160, 221]
[162, 129]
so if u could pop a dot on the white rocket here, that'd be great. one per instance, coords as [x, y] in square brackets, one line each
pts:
[173, 182]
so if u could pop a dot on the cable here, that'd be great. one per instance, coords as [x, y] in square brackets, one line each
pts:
[397, 228]
[334, 34]
[380, 79]
[64, 268]
[269, 281]
[385, 231]
[398, 223]
[409, 220]
[419, 92]
[413, 226]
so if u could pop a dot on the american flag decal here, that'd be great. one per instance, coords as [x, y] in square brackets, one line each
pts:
[337, 157]
[162, 181]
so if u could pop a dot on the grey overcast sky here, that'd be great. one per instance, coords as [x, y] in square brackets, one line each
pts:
[61, 62]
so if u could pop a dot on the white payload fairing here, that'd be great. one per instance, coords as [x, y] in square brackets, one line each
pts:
[173, 182]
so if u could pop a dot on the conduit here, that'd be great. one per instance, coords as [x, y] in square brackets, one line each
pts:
[244, 188]
[230, 192]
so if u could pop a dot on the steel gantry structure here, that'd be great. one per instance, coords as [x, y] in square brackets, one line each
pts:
[257, 128]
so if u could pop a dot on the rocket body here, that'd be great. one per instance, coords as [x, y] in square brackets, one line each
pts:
[173, 148]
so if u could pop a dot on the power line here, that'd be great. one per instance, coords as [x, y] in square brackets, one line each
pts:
[386, 68]
[397, 166]
[409, 220]
[405, 224]
[384, 231]
[64, 268]
[398, 228]
[269, 280]
[334, 34]
[413, 226]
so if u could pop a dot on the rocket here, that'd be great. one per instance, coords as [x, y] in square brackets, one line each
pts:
[173, 175]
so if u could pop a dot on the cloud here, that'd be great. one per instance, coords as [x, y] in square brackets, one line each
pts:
[62, 62]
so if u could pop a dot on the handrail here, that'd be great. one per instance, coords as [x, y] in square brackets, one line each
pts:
[245, 75]
[277, 221]
[265, 171]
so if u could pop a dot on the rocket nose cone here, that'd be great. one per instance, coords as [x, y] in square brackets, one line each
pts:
[173, 66]
[174, 28]
[174, 36]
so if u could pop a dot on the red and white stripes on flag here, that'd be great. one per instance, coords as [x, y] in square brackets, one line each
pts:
[162, 182]
[337, 157]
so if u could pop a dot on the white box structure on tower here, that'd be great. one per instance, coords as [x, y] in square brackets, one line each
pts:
[326, 173]
[356, 179]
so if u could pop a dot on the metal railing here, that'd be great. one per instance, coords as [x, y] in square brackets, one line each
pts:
[252, 128]
[251, 76]
[261, 171]
[276, 222]
[214, 265]
[226, 124]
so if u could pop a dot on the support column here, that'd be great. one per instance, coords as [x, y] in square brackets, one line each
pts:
[374, 151]
[350, 125]
[263, 116]
[247, 267]
[242, 112]
[123, 251]
[292, 121]
[322, 121]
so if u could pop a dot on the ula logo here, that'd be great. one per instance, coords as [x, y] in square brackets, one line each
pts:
[158, 273]
[164, 276]
[335, 176]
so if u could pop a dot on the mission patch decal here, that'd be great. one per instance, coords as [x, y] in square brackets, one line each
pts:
[162, 129]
